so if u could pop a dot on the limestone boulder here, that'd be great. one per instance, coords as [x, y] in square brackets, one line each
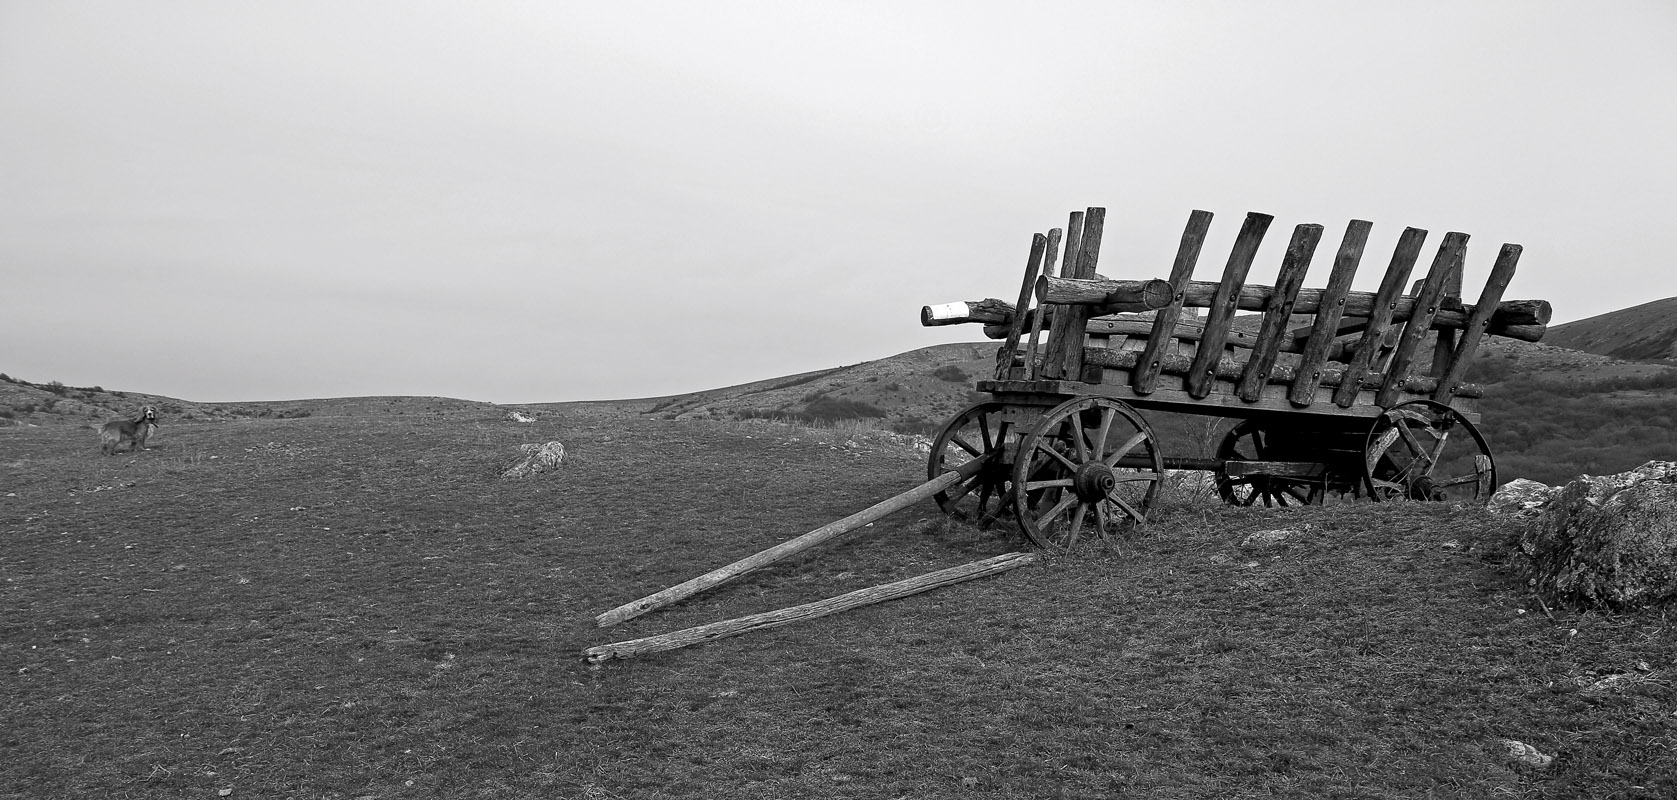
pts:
[1522, 498]
[538, 458]
[1608, 541]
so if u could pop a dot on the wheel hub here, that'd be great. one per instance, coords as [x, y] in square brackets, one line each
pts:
[1094, 481]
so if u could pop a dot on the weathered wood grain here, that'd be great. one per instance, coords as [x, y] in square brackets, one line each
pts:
[1274, 325]
[1033, 265]
[1450, 255]
[831, 530]
[1165, 321]
[808, 611]
[1381, 310]
[1502, 272]
[1329, 311]
[1223, 302]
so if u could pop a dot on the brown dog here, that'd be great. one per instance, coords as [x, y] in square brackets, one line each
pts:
[135, 432]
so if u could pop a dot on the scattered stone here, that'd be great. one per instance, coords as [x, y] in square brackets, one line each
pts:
[1265, 539]
[519, 416]
[1526, 754]
[538, 458]
[1608, 540]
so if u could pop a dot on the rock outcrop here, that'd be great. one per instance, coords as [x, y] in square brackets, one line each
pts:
[538, 458]
[1607, 541]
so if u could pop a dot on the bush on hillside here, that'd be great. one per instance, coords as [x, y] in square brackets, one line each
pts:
[951, 373]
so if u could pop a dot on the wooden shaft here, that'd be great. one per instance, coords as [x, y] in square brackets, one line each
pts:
[807, 611]
[1274, 325]
[1146, 375]
[722, 575]
[1449, 378]
[1450, 255]
[1328, 314]
[1380, 320]
[1222, 304]
[1033, 265]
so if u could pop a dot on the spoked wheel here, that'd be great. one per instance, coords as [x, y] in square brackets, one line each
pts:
[977, 432]
[1424, 450]
[1091, 467]
[1251, 441]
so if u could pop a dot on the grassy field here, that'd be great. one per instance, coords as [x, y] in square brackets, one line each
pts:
[354, 605]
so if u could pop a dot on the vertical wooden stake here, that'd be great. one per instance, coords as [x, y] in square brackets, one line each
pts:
[1278, 311]
[1041, 312]
[1004, 359]
[1146, 375]
[1328, 313]
[1450, 255]
[1385, 302]
[1202, 374]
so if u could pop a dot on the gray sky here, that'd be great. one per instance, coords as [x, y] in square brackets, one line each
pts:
[527, 202]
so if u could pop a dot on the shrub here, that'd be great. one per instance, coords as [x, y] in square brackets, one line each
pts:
[951, 373]
[832, 409]
[916, 426]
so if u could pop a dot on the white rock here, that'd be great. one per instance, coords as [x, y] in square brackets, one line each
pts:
[538, 458]
[1526, 754]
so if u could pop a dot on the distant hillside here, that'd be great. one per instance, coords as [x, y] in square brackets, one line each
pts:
[911, 392]
[1647, 332]
[53, 403]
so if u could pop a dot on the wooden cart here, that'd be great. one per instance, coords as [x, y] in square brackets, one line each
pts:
[1337, 394]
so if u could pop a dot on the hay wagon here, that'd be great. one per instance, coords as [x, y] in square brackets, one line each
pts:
[1335, 394]
[1365, 400]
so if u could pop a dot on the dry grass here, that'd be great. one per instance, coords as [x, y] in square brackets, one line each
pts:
[356, 606]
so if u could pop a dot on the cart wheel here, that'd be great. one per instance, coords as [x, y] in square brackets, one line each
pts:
[1091, 466]
[977, 432]
[1250, 441]
[1416, 450]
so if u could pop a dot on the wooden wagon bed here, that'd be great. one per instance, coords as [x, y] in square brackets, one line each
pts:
[1329, 381]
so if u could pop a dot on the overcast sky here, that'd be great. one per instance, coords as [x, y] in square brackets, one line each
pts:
[529, 202]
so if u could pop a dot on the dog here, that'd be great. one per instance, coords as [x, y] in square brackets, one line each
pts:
[135, 432]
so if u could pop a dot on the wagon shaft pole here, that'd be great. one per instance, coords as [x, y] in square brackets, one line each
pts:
[832, 530]
[820, 608]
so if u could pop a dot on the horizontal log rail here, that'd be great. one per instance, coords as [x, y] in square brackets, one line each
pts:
[1511, 315]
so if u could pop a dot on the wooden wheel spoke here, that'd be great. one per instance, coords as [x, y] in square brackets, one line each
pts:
[1379, 447]
[1077, 516]
[1413, 442]
[1032, 486]
[1457, 481]
[1124, 449]
[1107, 416]
[1135, 477]
[962, 489]
[1069, 501]
[960, 442]
[1437, 451]
[1074, 432]
[1002, 507]
[1139, 516]
[1045, 447]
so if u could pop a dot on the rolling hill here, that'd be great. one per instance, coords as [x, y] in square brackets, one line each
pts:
[1647, 332]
